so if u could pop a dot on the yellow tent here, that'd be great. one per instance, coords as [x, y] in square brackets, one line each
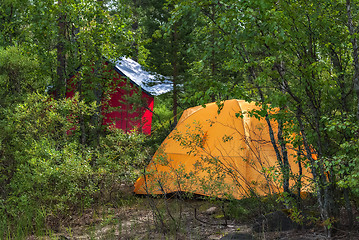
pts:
[223, 155]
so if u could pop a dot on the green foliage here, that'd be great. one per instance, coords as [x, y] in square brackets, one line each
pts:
[162, 117]
[45, 169]
[162, 121]
[166, 44]
[80, 32]
[249, 208]
[19, 74]
[13, 21]
[120, 158]
[55, 156]
[297, 56]
[344, 164]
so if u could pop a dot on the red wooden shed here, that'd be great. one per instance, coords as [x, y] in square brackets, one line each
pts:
[118, 108]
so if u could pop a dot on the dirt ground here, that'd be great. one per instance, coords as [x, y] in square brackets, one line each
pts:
[139, 223]
[160, 218]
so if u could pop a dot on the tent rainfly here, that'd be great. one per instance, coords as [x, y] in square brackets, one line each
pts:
[224, 155]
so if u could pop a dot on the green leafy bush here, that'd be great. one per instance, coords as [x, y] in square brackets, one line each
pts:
[46, 170]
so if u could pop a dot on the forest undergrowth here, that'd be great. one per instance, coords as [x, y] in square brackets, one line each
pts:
[174, 217]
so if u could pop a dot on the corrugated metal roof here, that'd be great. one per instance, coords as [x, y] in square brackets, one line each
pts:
[155, 84]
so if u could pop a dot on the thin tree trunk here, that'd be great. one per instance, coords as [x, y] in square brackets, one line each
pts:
[348, 207]
[318, 175]
[213, 60]
[354, 41]
[299, 181]
[285, 168]
[271, 132]
[340, 79]
[83, 137]
[135, 26]
[175, 75]
[61, 60]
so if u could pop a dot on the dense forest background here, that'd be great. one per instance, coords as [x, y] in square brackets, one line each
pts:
[300, 57]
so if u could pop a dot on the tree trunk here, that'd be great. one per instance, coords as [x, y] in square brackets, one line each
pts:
[354, 42]
[285, 167]
[323, 196]
[135, 26]
[83, 137]
[213, 60]
[279, 157]
[175, 75]
[61, 60]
